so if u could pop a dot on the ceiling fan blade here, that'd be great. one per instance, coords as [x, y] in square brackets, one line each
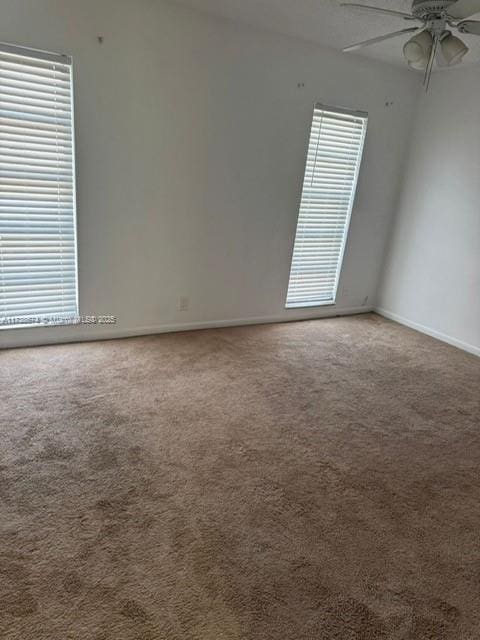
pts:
[464, 9]
[469, 26]
[389, 12]
[365, 43]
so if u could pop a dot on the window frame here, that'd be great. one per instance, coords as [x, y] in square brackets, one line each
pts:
[353, 113]
[66, 60]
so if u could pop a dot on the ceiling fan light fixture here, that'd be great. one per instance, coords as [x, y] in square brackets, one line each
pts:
[453, 50]
[418, 48]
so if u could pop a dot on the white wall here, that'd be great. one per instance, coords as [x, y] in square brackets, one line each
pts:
[191, 140]
[431, 276]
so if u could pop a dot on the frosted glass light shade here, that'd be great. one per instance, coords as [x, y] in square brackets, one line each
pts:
[453, 50]
[418, 48]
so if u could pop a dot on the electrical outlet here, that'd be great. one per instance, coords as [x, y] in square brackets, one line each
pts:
[183, 303]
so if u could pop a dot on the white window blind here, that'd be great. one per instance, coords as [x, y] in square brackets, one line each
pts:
[38, 266]
[333, 161]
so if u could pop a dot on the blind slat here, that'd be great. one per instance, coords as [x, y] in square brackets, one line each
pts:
[333, 161]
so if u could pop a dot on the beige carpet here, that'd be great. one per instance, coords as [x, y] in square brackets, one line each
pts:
[308, 481]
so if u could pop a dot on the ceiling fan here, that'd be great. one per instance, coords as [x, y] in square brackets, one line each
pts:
[432, 40]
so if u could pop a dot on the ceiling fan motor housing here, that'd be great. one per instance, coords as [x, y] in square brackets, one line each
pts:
[424, 9]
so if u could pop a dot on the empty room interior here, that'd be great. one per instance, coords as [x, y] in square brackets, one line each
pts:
[239, 320]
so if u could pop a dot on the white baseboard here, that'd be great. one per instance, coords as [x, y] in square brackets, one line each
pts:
[470, 348]
[61, 335]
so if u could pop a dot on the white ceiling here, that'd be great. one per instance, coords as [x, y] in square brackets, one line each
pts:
[326, 22]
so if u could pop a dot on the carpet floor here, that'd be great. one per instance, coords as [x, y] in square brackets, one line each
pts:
[309, 481]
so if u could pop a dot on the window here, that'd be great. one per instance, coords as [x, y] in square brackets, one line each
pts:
[333, 161]
[38, 265]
